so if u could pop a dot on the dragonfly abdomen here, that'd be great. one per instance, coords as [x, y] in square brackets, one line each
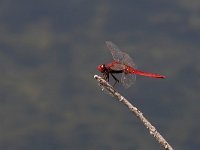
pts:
[138, 72]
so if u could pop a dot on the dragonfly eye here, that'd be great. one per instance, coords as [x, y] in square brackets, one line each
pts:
[101, 68]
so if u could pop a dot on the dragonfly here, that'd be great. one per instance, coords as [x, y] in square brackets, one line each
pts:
[122, 64]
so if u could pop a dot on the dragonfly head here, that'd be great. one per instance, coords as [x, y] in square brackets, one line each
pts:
[102, 68]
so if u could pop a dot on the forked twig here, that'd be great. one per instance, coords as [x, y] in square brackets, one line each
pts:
[152, 130]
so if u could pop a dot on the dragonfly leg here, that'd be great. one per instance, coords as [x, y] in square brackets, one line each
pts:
[106, 76]
[116, 80]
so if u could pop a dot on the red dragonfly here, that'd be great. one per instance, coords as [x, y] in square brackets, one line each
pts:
[122, 63]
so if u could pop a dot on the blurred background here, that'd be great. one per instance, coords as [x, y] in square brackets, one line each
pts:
[49, 53]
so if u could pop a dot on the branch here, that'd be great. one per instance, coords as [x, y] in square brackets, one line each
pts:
[152, 130]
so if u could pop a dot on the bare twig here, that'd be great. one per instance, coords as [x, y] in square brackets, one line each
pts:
[152, 130]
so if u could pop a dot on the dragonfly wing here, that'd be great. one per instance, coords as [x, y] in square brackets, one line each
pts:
[121, 61]
[120, 56]
[128, 79]
[128, 61]
[115, 51]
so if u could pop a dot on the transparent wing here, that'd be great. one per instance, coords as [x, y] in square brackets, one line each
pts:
[121, 61]
[128, 79]
[120, 56]
[128, 60]
[115, 51]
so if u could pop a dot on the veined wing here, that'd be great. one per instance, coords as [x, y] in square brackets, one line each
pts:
[128, 79]
[120, 56]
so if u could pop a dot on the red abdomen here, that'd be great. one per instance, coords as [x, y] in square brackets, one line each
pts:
[138, 72]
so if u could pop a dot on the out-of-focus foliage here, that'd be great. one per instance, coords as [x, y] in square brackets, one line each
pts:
[49, 51]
